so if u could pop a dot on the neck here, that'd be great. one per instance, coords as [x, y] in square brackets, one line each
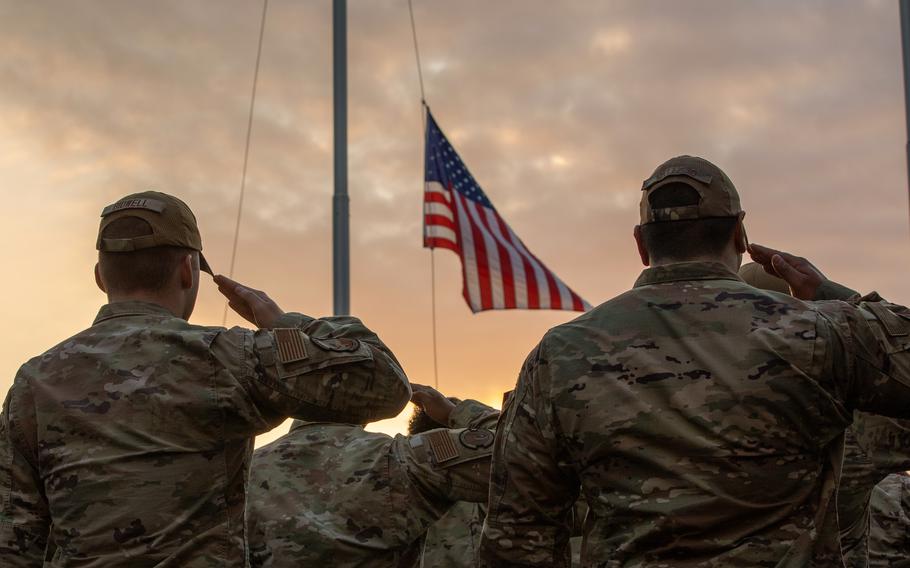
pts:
[730, 259]
[171, 303]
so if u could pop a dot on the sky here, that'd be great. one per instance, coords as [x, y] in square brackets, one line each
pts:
[560, 109]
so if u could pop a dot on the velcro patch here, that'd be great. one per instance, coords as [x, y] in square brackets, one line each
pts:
[507, 398]
[149, 204]
[338, 344]
[476, 439]
[290, 345]
[675, 171]
[442, 446]
[893, 324]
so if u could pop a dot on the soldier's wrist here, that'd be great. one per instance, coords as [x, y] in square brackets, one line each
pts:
[292, 319]
[831, 290]
[467, 412]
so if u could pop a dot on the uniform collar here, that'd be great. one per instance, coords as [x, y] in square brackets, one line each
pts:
[131, 308]
[680, 271]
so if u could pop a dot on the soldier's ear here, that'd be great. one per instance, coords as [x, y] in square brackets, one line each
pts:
[186, 272]
[640, 243]
[739, 237]
[98, 279]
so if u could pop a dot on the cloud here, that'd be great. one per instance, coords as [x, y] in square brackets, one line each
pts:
[560, 110]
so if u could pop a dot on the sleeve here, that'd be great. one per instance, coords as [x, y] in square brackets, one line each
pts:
[437, 468]
[473, 414]
[531, 492]
[24, 517]
[830, 290]
[884, 441]
[331, 369]
[868, 353]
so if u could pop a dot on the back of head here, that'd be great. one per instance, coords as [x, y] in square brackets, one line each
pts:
[689, 209]
[143, 270]
[421, 422]
[142, 239]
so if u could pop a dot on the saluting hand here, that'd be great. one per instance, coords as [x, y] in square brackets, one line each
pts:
[433, 402]
[254, 306]
[800, 274]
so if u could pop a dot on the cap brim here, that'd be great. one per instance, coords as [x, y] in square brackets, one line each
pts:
[204, 265]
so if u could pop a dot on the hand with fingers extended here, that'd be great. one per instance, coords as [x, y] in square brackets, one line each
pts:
[255, 306]
[800, 274]
[433, 402]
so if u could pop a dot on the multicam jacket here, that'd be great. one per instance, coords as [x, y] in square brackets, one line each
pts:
[453, 540]
[889, 536]
[876, 448]
[701, 419]
[337, 495]
[129, 443]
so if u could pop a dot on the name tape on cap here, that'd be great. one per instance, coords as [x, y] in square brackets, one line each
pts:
[676, 171]
[147, 204]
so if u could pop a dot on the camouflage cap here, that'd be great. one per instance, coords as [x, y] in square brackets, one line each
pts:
[172, 222]
[754, 275]
[718, 196]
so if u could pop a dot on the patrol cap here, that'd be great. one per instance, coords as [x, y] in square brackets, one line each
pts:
[172, 222]
[754, 275]
[717, 194]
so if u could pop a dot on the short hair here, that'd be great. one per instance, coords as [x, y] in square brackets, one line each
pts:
[421, 422]
[147, 269]
[689, 238]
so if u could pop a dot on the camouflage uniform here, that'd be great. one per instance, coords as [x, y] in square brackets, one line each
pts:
[690, 453]
[134, 436]
[337, 495]
[701, 418]
[453, 540]
[129, 443]
[875, 447]
[889, 541]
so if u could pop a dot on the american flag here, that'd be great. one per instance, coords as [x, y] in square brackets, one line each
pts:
[499, 271]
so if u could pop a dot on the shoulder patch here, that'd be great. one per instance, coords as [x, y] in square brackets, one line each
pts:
[893, 323]
[338, 344]
[442, 446]
[476, 439]
[291, 346]
[507, 398]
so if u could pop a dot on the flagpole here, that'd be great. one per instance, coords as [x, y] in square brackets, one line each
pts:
[423, 121]
[905, 44]
[341, 262]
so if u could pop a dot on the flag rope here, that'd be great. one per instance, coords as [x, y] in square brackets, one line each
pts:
[423, 96]
[423, 114]
[246, 152]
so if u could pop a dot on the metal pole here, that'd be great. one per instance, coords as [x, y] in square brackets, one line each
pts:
[905, 43]
[341, 263]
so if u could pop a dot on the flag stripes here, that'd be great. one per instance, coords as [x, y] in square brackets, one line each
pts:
[499, 271]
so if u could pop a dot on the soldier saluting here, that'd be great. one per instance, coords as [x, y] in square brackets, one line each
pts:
[702, 419]
[129, 443]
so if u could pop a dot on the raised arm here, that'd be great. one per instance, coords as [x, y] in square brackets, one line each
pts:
[331, 369]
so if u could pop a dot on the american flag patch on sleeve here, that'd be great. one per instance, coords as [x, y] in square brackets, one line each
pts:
[442, 446]
[290, 345]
